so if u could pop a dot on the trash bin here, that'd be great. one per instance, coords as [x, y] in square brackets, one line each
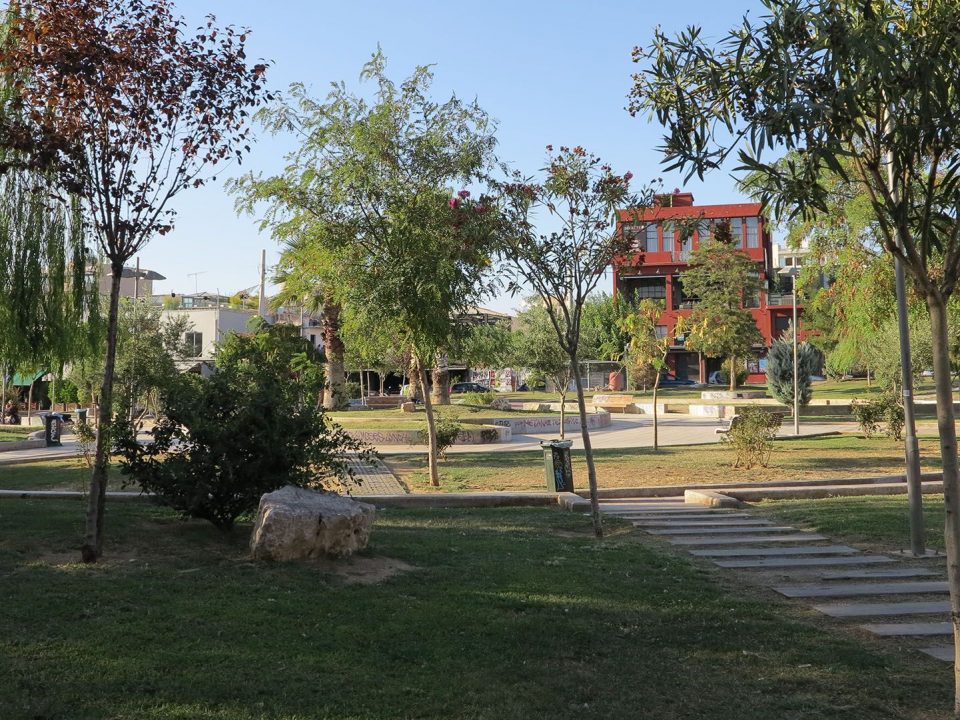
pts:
[81, 415]
[556, 464]
[52, 427]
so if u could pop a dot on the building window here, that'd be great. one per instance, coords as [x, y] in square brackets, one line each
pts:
[736, 232]
[682, 301]
[194, 344]
[661, 331]
[781, 325]
[788, 261]
[753, 239]
[642, 237]
[650, 288]
[704, 230]
[652, 231]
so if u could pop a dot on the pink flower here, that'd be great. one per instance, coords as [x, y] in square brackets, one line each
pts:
[464, 194]
[452, 202]
[627, 175]
[478, 208]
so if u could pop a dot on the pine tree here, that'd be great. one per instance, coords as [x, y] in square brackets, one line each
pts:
[780, 370]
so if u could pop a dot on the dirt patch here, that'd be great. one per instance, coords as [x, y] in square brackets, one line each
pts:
[359, 570]
[70, 560]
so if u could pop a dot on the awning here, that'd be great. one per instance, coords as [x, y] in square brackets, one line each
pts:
[20, 380]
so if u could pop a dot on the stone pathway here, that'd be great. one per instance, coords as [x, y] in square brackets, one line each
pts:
[907, 593]
[376, 479]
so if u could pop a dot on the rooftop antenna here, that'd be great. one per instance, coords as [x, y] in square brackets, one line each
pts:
[194, 276]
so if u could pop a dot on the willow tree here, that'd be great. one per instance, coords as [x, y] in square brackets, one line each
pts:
[119, 105]
[873, 83]
[48, 300]
[380, 183]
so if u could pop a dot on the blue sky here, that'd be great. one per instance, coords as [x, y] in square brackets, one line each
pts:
[549, 72]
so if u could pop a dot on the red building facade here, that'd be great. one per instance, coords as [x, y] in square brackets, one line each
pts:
[661, 254]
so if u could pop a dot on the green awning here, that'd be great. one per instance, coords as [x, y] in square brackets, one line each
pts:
[20, 380]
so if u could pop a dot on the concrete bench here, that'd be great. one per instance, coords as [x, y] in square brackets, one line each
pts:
[614, 403]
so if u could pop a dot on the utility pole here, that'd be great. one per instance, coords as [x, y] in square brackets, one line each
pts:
[796, 365]
[262, 304]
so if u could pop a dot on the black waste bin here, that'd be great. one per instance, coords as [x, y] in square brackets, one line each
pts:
[556, 464]
[52, 427]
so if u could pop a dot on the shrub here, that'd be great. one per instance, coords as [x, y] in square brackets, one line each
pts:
[752, 435]
[252, 427]
[884, 412]
[478, 398]
[447, 431]
[723, 377]
[780, 370]
[351, 390]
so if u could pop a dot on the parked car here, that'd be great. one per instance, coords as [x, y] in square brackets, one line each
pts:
[668, 380]
[465, 387]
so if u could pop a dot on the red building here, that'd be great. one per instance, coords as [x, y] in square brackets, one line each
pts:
[661, 255]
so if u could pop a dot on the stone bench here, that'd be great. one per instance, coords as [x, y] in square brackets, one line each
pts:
[615, 403]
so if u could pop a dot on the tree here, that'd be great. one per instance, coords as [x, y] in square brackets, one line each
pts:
[311, 275]
[647, 348]
[378, 182]
[872, 82]
[580, 195]
[535, 347]
[49, 309]
[722, 277]
[780, 370]
[141, 110]
[252, 427]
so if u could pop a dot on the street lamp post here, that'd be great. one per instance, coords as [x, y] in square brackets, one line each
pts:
[792, 272]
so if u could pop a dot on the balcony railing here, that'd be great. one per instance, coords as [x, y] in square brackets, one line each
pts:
[779, 299]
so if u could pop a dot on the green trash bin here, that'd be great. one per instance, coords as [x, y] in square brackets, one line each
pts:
[557, 465]
[81, 415]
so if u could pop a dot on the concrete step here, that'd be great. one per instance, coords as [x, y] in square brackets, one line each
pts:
[880, 574]
[940, 652]
[701, 523]
[747, 539]
[778, 551]
[862, 589]
[890, 629]
[722, 530]
[845, 610]
[811, 561]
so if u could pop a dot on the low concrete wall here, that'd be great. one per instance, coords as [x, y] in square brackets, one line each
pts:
[533, 425]
[22, 445]
[485, 433]
[735, 395]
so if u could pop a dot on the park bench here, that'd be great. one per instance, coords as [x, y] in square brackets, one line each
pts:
[614, 403]
[385, 401]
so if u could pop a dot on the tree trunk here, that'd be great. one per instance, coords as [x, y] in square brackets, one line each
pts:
[946, 425]
[440, 392]
[92, 547]
[382, 377]
[416, 387]
[361, 387]
[733, 374]
[563, 413]
[656, 386]
[431, 430]
[587, 450]
[333, 389]
[29, 403]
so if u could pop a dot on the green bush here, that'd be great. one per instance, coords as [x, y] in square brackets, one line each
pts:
[254, 426]
[723, 376]
[351, 390]
[752, 434]
[447, 431]
[478, 398]
[881, 413]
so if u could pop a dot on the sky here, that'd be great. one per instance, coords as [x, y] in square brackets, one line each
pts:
[549, 72]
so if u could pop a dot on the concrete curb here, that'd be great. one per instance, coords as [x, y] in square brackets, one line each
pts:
[675, 490]
[22, 445]
[709, 498]
[66, 495]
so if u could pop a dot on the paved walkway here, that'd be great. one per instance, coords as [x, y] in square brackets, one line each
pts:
[899, 596]
[628, 431]
[375, 478]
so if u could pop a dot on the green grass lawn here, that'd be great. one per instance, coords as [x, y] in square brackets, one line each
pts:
[832, 456]
[12, 433]
[875, 522]
[505, 614]
[53, 475]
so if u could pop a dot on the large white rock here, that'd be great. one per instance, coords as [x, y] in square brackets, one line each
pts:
[298, 524]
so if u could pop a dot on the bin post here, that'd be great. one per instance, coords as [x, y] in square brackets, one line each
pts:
[557, 465]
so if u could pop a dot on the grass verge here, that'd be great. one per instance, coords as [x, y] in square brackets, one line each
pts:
[505, 614]
[881, 523]
[12, 433]
[833, 456]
